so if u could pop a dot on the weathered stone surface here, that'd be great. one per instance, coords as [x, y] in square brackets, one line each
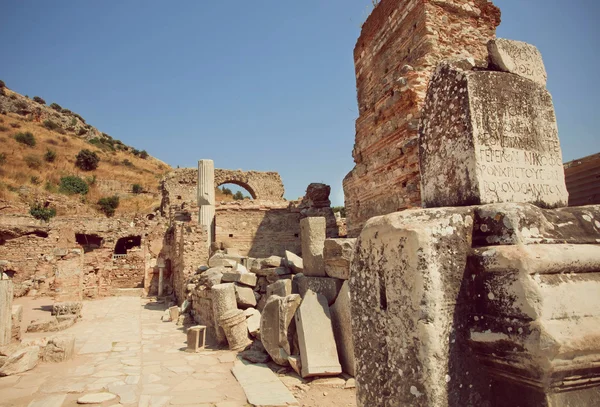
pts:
[245, 297]
[59, 349]
[96, 398]
[294, 262]
[401, 43]
[282, 288]
[220, 260]
[21, 361]
[537, 312]
[67, 308]
[248, 279]
[519, 58]
[262, 386]
[16, 317]
[277, 326]
[253, 321]
[256, 353]
[318, 195]
[341, 320]
[410, 312]
[212, 276]
[337, 254]
[295, 363]
[223, 300]
[489, 137]
[318, 351]
[236, 330]
[58, 323]
[312, 232]
[514, 223]
[325, 286]
[6, 298]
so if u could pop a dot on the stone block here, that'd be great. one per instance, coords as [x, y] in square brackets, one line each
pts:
[277, 326]
[174, 313]
[488, 137]
[325, 286]
[59, 349]
[196, 338]
[410, 311]
[21, 361]
[318, 351]
[223, 300]
[253, 321]
[282, 288]
[294, 262]
[341, 320]
[67, 308]
[337, 254]
[518, 58]
[16, 318]
[221, 260]
[247, 278]
[245, 297]
[261, 386]
[312, 233]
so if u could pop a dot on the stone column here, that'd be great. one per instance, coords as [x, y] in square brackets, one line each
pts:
[160, 263]
[6, 298]
[206, 198]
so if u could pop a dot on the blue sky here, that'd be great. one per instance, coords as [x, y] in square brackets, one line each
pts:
[263, 85]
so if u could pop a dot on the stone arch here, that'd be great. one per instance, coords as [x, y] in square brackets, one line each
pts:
[260, 185]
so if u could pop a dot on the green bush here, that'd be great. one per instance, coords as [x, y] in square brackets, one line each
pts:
[56, 107]
[90, 180]
[50, 125]
[72, 184]
[238, 196]
[39, 100]
[108, 205]
[25, 138]
[33, 162]
[137, 189]
[50, 156]
[87, 160]
[66, 111]
[127, 163]
[144, 154]
[42, 212]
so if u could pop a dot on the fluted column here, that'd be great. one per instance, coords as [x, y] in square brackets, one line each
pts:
[206, 198]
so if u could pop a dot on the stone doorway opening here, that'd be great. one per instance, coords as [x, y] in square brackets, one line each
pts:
[234, 191]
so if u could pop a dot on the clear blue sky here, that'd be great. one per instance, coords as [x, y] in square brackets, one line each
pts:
[263, 85]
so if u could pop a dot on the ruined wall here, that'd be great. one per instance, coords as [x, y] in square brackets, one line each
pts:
[258, 230]
[40, 253]
[400, 44]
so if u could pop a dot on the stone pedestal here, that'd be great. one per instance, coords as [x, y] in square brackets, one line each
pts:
[196, 338]
[206, 198]
[6, 298]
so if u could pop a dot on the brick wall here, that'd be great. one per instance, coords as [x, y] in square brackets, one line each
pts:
[400, 44]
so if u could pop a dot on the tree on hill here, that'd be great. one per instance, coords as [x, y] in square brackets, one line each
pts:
[87, 160]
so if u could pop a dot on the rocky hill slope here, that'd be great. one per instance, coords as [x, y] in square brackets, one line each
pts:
[39, 144]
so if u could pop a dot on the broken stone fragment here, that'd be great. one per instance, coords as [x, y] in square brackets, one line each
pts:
[245, 297]
[282, 288]
[318, 351]
[223, 300]
[220, 260]
[67, 308]
[174, 313]
[277, 326]
[295, 363]
[337, 254]
[325, 286]
[212, 276]
[21, 361]
[341, 321]
[59, 349]
[519, 58]
[313, 231]
[236, 330]
[294, 262]
[247, 278]
[253, 321]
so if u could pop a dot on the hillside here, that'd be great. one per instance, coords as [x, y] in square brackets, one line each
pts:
[28, 173]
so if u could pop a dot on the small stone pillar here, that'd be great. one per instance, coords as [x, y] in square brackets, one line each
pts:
[6, 298]
[313, 233]
[161, 271]
[223, 300]
[196, 338]
[206, 198]
[236, 329]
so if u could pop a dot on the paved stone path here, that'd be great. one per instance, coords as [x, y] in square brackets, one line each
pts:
[123, 347]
